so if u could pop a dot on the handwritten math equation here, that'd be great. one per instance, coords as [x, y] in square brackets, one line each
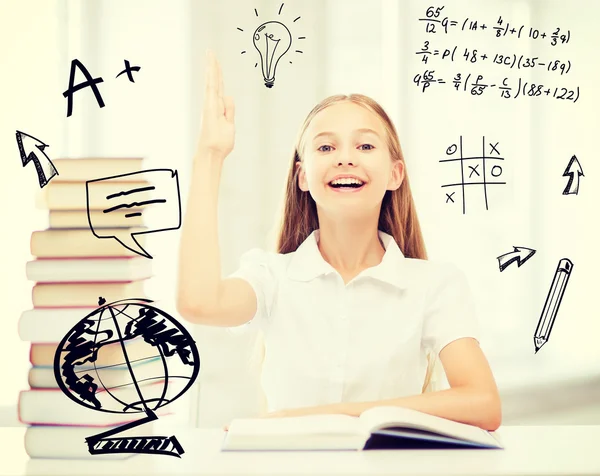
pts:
[475, 82]
[434, 24]
[512, 61]
[507, 90]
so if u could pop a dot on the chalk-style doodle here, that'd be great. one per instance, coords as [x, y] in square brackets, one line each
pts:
[520, 255]
[553, 300]
[272, 40]
[573, 171]
[80, 379]
[90, 82]
[139, 192]
[500, 56]
[44, 167]
[434, 23]
[476, 175]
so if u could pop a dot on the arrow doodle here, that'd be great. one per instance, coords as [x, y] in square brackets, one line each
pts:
[573, 170]
[44, 167]
[520, 255]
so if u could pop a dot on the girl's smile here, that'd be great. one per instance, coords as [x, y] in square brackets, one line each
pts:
[346, 183]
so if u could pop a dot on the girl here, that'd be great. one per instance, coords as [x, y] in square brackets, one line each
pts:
[350, 308]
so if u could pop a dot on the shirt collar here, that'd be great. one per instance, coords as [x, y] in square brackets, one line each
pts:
[307, 262]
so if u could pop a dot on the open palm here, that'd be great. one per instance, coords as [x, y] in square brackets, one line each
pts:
[217, 129]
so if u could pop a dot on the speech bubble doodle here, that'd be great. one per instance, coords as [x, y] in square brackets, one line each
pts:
[147, 192]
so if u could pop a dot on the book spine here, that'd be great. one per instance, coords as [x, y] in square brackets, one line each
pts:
[56, 249]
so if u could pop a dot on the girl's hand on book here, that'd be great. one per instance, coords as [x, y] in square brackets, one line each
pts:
[217, 130]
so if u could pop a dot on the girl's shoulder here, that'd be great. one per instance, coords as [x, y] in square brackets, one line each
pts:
[433, 271]
[430, 265]
[272, 260]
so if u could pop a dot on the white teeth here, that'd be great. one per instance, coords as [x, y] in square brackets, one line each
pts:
[346, 181]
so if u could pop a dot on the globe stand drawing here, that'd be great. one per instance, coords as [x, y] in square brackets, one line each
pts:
[112, 328]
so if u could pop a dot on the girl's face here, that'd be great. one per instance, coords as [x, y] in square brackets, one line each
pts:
[346, 139]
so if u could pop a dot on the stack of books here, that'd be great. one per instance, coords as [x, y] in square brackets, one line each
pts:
[72, 268]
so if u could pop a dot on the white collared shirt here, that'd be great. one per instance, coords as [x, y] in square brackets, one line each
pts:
[327, 342]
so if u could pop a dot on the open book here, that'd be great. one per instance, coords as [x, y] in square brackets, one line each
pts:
[384, 427]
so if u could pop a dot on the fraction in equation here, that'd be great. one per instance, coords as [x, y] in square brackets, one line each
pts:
[434, 23]
[475, 171]
[478, 87]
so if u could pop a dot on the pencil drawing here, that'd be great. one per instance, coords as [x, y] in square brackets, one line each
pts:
[552, 304]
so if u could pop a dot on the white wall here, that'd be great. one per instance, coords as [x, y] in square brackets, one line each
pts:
[350, 46]
[31, 102]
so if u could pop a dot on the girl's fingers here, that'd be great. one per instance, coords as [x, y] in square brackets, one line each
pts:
[229, 108]
[213, 74]
[219, 79]
[209, 72]
[211, 95]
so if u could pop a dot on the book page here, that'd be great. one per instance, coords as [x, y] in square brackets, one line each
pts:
[389, 416]
[301, 425]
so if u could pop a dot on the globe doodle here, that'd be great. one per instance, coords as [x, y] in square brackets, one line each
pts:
[127, 333]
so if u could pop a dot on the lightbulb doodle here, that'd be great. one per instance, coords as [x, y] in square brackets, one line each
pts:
[116, 326]
[272, 40]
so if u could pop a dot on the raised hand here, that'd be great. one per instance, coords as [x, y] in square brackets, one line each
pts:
[217, 129]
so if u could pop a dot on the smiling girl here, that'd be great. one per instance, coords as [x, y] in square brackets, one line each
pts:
[349, 306]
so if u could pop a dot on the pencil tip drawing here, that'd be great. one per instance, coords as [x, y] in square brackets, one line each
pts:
[80, 377]
[43, 166]
[552, 303]
[520, 255]
[144, 190]
[573, 171]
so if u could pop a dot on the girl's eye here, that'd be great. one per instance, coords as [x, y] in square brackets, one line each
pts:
[321, 148]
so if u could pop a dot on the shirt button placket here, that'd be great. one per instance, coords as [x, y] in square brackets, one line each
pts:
[343, 341]
[336, 365]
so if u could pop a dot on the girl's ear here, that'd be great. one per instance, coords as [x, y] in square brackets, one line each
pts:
[301, 177]
[397, 175]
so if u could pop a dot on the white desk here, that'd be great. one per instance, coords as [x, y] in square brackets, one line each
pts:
[535, 450]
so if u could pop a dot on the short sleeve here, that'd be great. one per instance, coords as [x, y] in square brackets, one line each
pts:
[450, 312]
[255, 268]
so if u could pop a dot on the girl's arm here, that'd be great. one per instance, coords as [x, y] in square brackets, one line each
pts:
[472, 399]
[203, 297]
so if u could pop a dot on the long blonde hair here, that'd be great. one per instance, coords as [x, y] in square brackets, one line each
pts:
[398, 216]
[298, 214]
